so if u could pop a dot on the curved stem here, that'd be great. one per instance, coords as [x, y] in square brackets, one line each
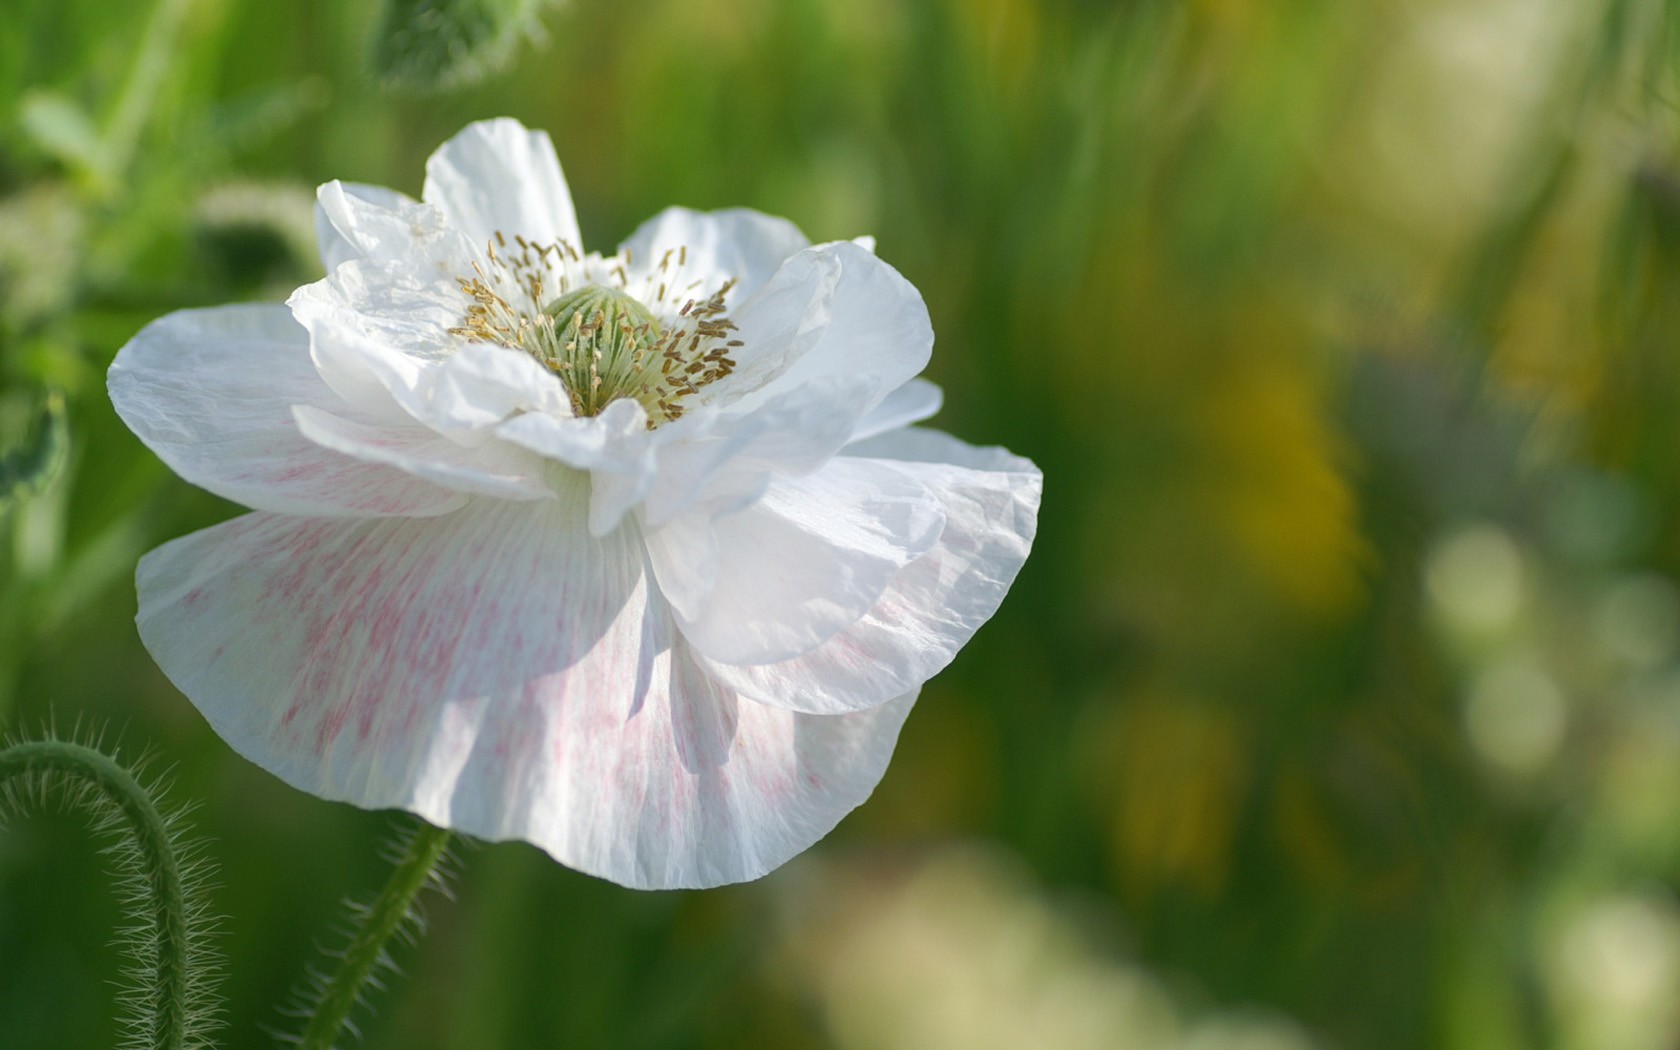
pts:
[159, 867]
[366, 953]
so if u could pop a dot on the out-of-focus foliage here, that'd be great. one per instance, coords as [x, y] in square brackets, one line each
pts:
[1340, 702]
[437, 45]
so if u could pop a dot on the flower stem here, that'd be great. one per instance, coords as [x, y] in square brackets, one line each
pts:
[390, 911]
[167, 1018]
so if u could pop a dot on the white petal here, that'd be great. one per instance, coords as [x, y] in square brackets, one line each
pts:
[612, 440]
[497, 176]
[373, 326]
[355, 221]
[922, 445]
[463, 392]
[725, 461]
[831, 311]
[931, 608]
[878, 326]
[211, 392]
[381, 332]
[493, 468]
[408, 302]
[781, 576]
[911, 403]
[713, 247]
[779, 322]
[613, 447]
[788, 777]
[481, 384]
[500, 672]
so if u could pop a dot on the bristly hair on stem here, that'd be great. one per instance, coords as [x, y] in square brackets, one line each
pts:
[168, 996]
[421, 861]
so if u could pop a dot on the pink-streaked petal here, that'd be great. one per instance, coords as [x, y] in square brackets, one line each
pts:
[356, 221]
[492, 468]
[211, 392]
[935, 604]
[781, 576]
[679, 246]
[911, 403]
[497, 176]
[501, 672]
[789, 777]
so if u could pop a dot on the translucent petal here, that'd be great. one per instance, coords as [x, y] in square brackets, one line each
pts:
[496, 175]
[782, 575]
[501, 672]
[679, 246]
[935, 604]
[911, 403]
[211, 392]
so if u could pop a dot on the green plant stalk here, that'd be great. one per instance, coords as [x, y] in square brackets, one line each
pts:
[162, 868]
[145, 78]
[390, 910]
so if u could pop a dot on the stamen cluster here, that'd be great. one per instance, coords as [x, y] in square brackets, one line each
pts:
[603, 341]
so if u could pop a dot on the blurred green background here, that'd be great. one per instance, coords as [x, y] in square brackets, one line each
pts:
[1339, 704]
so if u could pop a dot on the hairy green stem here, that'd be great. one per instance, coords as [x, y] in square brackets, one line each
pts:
[161, 868]
[366, 953]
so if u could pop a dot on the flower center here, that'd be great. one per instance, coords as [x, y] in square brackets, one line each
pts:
[603, 342]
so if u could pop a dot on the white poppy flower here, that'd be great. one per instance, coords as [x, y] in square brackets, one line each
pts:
[634, 557]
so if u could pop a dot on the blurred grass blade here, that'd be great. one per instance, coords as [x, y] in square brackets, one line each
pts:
[155, 57]
[435, 45]
[34, 440]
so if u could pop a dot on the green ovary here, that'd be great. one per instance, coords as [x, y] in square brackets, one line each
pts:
[604, 345]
